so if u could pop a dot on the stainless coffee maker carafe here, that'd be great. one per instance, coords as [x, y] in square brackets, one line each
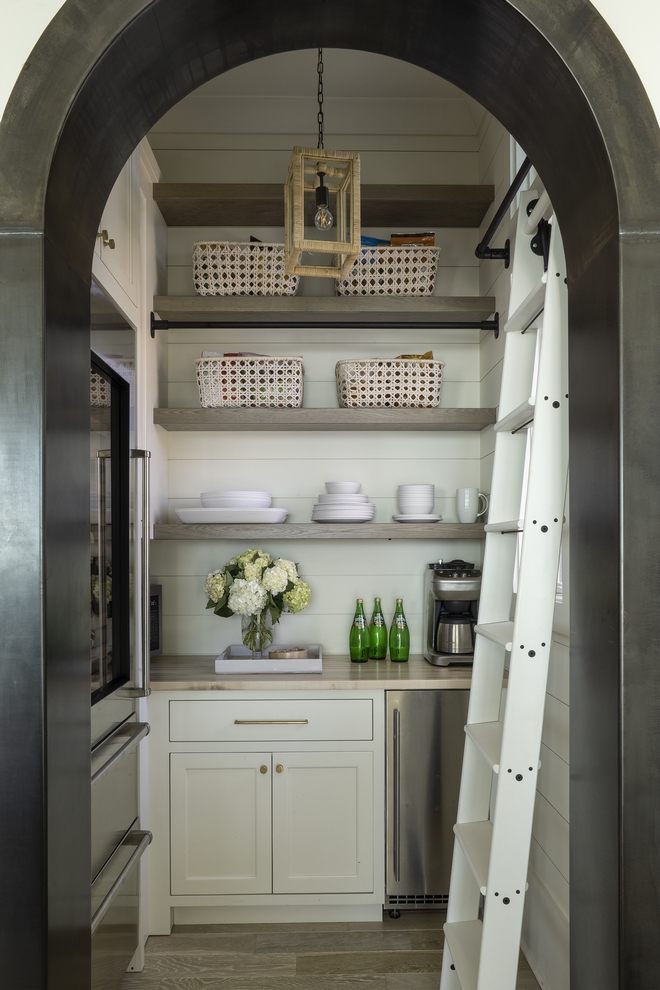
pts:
[451, 601]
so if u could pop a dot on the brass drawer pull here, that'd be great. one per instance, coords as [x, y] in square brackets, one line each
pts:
[263, 769]
[279, 768]
[272, 721]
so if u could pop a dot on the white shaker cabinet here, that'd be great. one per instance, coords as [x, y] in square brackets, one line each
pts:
[220, 820]
[266, 802]
[323, 823]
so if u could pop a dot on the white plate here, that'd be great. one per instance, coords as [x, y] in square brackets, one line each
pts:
[342, 499]
[236, 503]
[342, 510]
[235, 494]
[427, 517]
[232, 515]
[342, 519]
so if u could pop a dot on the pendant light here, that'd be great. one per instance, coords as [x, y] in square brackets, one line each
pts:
[323, 188]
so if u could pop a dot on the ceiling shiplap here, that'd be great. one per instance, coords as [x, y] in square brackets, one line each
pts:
[365, 93]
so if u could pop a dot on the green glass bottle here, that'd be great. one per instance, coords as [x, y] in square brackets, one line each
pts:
[358, 641]
[377, 634]
[399, 635]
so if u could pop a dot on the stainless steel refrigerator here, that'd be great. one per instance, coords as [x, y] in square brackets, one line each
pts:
[119, 656]
[425, 738]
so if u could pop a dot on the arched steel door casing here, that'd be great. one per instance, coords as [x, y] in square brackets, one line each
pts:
[557, 78]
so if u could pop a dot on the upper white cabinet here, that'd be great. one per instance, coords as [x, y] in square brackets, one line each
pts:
[116, 258]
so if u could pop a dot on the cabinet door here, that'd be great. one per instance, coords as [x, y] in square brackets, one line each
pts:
[322, 823]
[118, 265]
[221, 823]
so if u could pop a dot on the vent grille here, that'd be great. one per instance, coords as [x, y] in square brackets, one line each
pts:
[418, 900]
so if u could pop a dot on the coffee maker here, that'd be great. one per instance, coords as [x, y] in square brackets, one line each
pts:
[451, 601]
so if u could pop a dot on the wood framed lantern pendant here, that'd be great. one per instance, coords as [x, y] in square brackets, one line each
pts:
[322, 207]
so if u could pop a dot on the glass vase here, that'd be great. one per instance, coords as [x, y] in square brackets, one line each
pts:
[257, 632]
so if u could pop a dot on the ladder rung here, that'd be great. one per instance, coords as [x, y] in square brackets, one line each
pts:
[530, 308]
[517, 419]
[511, 526]
[487, 737]
[464, 941]
[497, 632]
[474, 839]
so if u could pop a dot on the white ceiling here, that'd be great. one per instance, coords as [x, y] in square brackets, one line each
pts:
[406, 91]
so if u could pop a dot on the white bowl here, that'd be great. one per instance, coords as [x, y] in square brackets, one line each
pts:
[343, 499]
[343, 487]
[414, 489]
[242, 502]
[416, 508]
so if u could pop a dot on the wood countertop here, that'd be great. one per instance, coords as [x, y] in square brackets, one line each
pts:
[197, 673]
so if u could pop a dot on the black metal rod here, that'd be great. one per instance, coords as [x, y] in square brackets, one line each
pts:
[482, 249]
[493, 324]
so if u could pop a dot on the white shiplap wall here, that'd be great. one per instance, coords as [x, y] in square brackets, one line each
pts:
[409, 127]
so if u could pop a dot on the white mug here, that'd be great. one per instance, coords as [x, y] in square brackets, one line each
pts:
[467, 504]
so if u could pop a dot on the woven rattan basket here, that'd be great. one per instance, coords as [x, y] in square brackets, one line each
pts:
[391, 271]
[250, 381]
[100, 391]
[235, 268]
[396, 383]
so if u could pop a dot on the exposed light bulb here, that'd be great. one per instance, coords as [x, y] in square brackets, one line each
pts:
[323, 219]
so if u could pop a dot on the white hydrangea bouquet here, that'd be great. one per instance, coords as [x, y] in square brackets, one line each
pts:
[259, 588]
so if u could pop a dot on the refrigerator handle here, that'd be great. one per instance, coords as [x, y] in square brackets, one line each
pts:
[143, 688]
[102, 457]
[397, 793]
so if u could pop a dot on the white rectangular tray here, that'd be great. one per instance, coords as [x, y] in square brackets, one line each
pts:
[238, 660]
[211, 516]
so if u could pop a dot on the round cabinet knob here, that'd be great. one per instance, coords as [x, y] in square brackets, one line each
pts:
[263, 769]
[279, 768]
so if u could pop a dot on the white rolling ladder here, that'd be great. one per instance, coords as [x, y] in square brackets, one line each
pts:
[503, 734]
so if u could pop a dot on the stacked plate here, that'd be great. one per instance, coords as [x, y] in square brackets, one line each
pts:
[233, 507]
[416, 504]
[342, 504]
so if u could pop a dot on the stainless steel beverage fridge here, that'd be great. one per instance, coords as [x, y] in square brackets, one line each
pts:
[425, 738]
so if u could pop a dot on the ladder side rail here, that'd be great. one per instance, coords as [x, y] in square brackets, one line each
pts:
[532, 637]
[497, 586]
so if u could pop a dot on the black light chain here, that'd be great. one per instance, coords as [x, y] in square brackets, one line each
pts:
[319, 116]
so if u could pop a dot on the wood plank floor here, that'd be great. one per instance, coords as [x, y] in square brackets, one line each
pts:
[402, 954]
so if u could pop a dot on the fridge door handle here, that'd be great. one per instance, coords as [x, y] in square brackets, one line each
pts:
[136, 731]
[143, 686]
[140, 839]
[397, 793]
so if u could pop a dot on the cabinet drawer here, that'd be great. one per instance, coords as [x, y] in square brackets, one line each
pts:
[270, 721]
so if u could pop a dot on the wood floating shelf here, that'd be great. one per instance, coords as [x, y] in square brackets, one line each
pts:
[287, 311]
[207, 420]
[320, 531]
[222, 204]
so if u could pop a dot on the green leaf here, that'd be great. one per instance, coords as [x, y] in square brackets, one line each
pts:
[224, 611]
[211, 604]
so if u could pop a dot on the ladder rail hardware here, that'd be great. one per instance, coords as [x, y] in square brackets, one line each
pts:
[503, 734]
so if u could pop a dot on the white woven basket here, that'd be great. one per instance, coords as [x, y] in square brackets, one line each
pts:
[397, 382]
[250, 381]
[236, 268]
[391, 271]
[100, 390]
